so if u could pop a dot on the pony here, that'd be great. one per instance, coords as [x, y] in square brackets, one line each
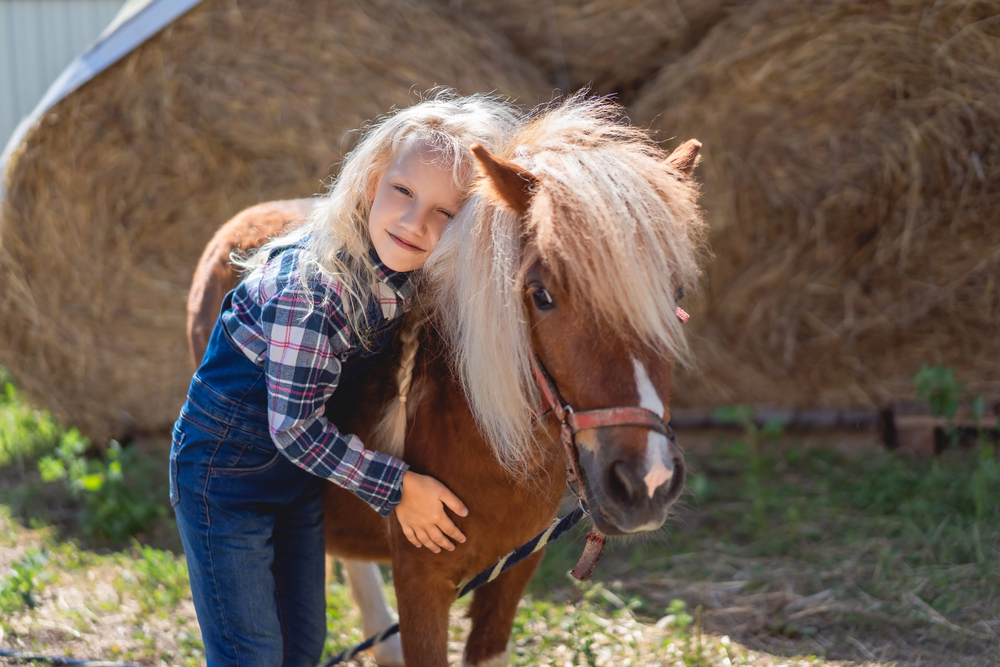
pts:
[564, 266]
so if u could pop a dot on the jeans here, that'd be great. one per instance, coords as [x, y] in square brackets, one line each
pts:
[251, 523]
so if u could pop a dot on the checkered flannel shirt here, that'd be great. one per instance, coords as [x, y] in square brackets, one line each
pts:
[301, 353]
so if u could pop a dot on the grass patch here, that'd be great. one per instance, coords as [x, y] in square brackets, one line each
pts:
[25, 433]
[51, 476]
[799, 549]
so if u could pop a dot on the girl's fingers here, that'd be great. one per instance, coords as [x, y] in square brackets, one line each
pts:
[411, 536]
[451, 530]
[440, 540]
[452, 502]
[426, 540]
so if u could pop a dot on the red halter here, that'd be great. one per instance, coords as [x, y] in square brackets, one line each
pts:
[571, 423]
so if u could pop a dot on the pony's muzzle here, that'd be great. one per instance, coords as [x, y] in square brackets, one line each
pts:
[632, 493]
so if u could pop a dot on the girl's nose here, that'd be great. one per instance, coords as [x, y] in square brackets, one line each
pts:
[413, 219]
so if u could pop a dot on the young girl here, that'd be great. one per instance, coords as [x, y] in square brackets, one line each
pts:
[252, 445]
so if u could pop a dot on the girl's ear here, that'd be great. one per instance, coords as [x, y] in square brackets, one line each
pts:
[685, 157]
[508, 183]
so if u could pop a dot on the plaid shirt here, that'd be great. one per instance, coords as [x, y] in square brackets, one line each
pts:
[301, 353]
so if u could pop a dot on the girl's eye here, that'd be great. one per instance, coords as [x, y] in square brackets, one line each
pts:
[400, 188]
[447, 214]
[543, 300]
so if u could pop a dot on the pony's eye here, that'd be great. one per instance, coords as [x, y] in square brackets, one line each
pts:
[543, 300]
[679, 294]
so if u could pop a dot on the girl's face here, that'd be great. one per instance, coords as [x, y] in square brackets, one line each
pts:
[414, 199]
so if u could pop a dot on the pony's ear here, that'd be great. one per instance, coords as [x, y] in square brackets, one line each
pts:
[511, 184]
[685, 157]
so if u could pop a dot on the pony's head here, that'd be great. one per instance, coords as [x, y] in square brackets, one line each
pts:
[576, 249]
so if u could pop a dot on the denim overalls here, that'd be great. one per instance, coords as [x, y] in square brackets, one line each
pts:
[250, 520]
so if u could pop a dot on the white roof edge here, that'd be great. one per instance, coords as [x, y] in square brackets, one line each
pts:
[137, 21]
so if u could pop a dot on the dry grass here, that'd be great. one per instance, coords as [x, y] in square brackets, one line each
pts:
[852, 180]
[116, 190]
[613, 45]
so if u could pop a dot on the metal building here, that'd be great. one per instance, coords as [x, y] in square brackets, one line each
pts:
[38, 39]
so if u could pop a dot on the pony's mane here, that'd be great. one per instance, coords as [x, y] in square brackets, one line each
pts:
[616, 226]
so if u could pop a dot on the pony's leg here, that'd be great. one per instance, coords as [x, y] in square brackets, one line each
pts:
[492, 612]
[365, 583]
[424, 594]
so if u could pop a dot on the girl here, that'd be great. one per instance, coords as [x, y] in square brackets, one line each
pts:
[252, 445]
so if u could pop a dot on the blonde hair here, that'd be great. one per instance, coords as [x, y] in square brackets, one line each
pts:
[336, 232]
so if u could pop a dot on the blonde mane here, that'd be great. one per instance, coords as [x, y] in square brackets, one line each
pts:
[615, 225]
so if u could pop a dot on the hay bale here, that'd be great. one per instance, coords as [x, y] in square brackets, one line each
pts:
[115, 191]
[852, 178]
[614, 44]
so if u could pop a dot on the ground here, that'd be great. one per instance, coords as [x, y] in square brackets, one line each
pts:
[787, 550]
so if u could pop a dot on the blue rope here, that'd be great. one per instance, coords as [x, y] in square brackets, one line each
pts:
[550, 534]
[35, 657]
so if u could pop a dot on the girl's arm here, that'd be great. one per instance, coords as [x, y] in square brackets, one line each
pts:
[304, 339]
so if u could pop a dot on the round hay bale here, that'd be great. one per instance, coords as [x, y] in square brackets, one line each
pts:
[615, 45]
[852, 183]
[115, 191]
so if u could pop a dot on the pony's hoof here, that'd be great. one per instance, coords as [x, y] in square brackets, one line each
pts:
[389, 653]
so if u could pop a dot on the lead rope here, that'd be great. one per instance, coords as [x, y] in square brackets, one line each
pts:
[550, 534]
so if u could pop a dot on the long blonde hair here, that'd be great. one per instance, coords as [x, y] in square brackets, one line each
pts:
[336, 232]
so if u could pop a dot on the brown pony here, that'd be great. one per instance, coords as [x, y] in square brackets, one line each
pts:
[570, 252]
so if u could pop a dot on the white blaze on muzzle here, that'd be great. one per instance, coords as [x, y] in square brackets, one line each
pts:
[659, 464]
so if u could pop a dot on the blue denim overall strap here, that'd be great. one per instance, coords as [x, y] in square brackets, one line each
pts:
[228, 386]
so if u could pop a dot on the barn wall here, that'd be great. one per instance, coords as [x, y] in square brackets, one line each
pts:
[38, 38]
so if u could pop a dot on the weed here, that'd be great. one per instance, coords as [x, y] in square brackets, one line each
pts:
[112, 507]
[24, 433]
[161, 578]
[343, 622]
[937, 386]
[24, 583]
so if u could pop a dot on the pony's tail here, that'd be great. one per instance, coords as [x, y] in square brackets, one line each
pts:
[390, 432]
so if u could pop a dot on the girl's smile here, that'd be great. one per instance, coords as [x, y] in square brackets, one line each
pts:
[414, 200]
[403, 244]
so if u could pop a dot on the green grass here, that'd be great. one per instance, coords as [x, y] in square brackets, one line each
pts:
[25, 433]
[900, 547]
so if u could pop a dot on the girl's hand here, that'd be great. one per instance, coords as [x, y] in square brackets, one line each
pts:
[422, 516]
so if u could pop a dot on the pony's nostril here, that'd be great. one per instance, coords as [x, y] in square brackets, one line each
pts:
[677, 482]
[620, 484]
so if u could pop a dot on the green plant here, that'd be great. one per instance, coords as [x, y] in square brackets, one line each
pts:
[24, 432]
[113, 507]
[162, 578]
[23, 583]
[937, 386]
[677, 618]
[752, 436]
